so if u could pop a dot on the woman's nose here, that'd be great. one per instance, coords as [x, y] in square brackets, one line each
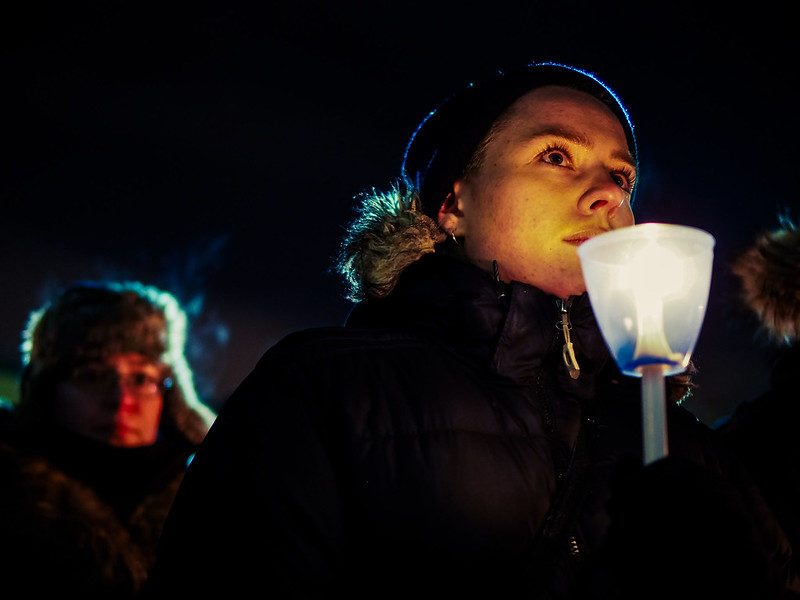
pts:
[605, 198]
[123, 398]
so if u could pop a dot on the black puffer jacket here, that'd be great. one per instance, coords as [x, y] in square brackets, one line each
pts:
[435, 444]
[764, 434]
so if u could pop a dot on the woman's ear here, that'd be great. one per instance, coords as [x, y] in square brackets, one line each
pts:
[451, 214]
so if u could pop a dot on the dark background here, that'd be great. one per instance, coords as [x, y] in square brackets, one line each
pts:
[216, 150]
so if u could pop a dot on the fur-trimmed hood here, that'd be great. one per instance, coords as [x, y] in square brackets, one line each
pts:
[769, 272]
[60, 535]
[389, 233]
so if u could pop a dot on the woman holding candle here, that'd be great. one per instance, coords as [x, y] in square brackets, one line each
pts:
[458, 436]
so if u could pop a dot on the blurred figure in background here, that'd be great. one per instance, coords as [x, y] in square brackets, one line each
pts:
[764, 432]
[93, 454]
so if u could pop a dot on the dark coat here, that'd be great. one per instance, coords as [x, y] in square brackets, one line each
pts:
[79, 518]
[436, 443]
[765, 436]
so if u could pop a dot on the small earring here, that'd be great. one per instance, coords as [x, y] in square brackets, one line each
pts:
[452, 233]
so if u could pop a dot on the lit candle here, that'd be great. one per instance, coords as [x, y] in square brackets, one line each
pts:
[648, 285]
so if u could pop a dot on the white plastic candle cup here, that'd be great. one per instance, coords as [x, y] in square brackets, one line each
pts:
[648, 286]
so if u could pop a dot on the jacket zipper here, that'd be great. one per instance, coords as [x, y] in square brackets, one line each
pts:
[567, 351]
[571, 362]
[567, 354]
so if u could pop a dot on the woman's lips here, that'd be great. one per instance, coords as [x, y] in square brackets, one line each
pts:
[576, 239]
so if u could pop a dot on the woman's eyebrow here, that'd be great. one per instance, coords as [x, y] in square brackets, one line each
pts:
[576, 137]
[625, 156]
[570, 135]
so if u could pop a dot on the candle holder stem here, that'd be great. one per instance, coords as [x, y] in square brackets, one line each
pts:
[654, 413]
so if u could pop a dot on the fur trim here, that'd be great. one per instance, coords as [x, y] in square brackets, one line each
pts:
[49, 516]
[389, 233]
[679, 387]
[769, 272]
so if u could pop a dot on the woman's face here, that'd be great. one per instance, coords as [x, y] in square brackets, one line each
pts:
[117, 401]
[557, 172]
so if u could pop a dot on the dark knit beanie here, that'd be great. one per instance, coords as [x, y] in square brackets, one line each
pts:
[446, 140]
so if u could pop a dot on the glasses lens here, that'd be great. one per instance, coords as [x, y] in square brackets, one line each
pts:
[105, 381]
[142, 384]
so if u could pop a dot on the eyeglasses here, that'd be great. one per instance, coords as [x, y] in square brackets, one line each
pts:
[99, 380]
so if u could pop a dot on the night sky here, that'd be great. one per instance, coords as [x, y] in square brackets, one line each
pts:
[216, 151]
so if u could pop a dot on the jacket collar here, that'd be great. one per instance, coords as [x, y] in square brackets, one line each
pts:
[510, 328]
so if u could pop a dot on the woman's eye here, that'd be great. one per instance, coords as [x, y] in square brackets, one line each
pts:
[139, 379]
[555, 157]
[623, 180]
[142, 380]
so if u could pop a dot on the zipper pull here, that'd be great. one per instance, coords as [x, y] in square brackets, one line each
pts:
[574, 548]
[568, 352]
[497, 283]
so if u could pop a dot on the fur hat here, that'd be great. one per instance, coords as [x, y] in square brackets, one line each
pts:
[92, 321]
[769, 272]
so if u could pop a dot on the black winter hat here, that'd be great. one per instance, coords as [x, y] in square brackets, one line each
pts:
[445, 141]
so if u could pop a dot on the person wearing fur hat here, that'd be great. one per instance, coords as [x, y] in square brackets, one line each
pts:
[763, 431]
[445, 441]
[94, 452]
